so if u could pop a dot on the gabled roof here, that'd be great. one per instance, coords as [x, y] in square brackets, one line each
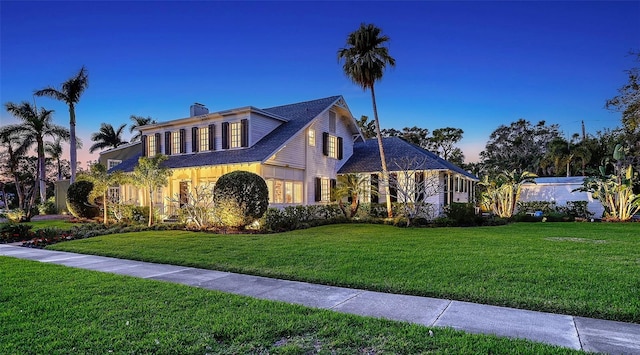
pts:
[399, 154]
[298, 116]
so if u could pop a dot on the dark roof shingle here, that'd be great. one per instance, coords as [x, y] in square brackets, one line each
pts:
[399, 154]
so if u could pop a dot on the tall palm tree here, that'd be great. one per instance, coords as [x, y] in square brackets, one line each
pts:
[54, 149]
[33, 129]
[139, 121]
[365, 59]
[107, 137]
[70, 93]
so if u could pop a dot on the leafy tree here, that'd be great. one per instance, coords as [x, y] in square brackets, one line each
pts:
[615, 190]
[628, 99]
[102, 180]
[414, 135]
[151, 175]
[70, 93]
[368, 128]
[107, 137]
[13, 152]
[139, 121]
[365, 58]
[351, 186]
[34, 127]
[519, 146]
[443, 142]
[240, 198]
[502, 193]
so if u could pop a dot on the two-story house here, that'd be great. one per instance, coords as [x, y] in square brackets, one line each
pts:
[296, 148]
[299, 149]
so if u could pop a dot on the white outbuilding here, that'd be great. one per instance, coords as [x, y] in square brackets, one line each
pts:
[560, 190]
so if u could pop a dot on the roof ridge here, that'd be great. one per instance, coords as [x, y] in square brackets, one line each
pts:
[334, 97]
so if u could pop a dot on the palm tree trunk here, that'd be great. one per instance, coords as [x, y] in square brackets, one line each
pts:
[72, 143]
[383, 161]
[150, 205]
[41, 172]
[104, 207]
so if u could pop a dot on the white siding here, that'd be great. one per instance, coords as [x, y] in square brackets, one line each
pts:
[319, 165]
[260, 126]
[292, 154]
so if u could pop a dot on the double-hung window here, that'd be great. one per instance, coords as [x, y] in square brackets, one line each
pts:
[175, 142]
[204, 138]
[236, 135]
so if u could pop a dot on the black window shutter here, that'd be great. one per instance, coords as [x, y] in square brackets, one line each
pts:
[325, 143]
[244, 138]
[212, 137]
[374, 188]
[183, 140]
[158, 146]
[318, 188]
[144, 145]
[339, 148]
[167, 143]
[194, 140]
[225, 135]
[393, 187]
[332, 194]
[419, 186]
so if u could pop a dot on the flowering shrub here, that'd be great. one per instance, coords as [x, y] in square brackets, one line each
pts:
[15, 232]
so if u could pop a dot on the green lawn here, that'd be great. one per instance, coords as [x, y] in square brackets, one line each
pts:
[586, 269]
[52, 309]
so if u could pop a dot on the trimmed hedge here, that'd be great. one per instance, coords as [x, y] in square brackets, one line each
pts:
[77, 200]
[240, 198]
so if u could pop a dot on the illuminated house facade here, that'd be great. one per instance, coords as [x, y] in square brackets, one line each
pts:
[299, 149]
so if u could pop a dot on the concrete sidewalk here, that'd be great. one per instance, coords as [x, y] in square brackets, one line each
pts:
[568, 331]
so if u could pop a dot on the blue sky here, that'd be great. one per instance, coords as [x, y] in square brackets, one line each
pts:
[469, 65]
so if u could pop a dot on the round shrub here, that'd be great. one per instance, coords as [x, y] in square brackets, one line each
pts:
[240, 198]
[77, 203]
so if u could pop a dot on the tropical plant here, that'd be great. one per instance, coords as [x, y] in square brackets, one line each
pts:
[139, 121]
[70, 93]
[240, 198]
[352, 187]
[615, 190]
[34, 127]
[107, 137]
[151, 175]
[502, 193]
[102, 180]
[365, 58]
